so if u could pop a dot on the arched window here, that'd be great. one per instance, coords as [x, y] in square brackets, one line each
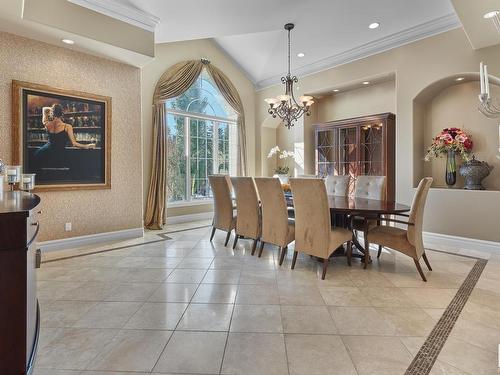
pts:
[202, 140]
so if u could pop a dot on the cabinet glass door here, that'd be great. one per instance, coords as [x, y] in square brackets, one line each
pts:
[326, 152]
[371, 158]
[347, 149]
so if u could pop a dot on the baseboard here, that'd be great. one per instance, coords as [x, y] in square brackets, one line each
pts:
[72, 242]
[187, 218]
[455, 244]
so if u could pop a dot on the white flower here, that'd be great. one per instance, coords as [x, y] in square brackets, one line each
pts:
[273, 151]
[287, 154]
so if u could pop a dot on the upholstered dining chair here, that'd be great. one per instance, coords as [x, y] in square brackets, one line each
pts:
[337, 185]
[224, 218]
[247, 210]
[314, 234]
[408, 240]
[277, 228]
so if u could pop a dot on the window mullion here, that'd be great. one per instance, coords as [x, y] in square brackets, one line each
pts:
[187, 146]
[215, 148]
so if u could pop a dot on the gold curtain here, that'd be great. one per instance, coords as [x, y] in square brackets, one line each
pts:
[175, 81]
[172, 83]
[231, 95]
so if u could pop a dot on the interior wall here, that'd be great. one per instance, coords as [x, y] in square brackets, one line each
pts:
[168, 54]
[456, 106]
[89, 211]
[416, 66]
[268, 142]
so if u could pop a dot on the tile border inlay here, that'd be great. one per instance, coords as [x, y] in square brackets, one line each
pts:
[428, 353]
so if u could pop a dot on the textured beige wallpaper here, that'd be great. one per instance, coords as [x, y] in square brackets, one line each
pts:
[90, 211]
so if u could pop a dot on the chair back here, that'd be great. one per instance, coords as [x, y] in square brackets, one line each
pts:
[307, 176]
[247, 207]
[312, 216]
[274, 210]
[414, 234]
[223, 205]
[337, 185]
[370, 187]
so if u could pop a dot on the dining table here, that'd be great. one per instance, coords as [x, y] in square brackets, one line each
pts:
[344, 210]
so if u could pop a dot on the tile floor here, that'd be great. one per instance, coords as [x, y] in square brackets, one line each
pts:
[188, 306]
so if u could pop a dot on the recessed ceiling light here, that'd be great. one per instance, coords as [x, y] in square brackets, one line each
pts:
[366, 82]
[459, 79]
[491, 14]
[374, 25]
[68, 41]
[301, 54]
[336, 90]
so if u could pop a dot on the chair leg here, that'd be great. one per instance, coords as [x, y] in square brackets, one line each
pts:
[294, 259]
[379, 251]
[254, 245]
[283, 253]
[349, 253]
[325, 266]
[424, 255]
[235, 241]
[419, 269]
[261, 248]
[212, 234]
[227, 238]
[367, 244]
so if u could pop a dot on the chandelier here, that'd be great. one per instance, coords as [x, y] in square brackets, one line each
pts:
[285, 106]
[486, 107]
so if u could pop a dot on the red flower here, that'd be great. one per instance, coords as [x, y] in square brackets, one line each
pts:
[468, 144]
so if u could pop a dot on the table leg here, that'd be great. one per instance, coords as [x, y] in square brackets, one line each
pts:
[367, 245]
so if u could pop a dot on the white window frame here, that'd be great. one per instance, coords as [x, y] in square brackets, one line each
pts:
[215, 144]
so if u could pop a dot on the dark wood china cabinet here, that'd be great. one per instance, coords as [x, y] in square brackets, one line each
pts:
[358, 146]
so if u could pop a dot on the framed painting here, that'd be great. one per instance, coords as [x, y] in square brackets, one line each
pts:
[62, 136]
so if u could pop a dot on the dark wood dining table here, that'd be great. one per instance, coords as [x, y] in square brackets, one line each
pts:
[344, 209]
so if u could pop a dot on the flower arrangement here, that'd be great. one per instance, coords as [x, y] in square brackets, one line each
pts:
[283, 155]
[286, 188]
[450, 139]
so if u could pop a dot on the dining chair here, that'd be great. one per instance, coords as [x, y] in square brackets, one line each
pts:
[277, 228]
[224, 218]
[337, 185]
[307, 176]
[314, 234]
[369, 187]
[247, 210]
[409, 240]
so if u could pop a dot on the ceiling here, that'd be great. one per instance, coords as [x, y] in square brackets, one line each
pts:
[329, 32]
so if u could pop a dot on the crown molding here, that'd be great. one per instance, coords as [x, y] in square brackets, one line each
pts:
[422, 31]
[121, 12]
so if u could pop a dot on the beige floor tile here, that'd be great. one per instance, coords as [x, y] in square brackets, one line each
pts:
[215, 293]
[482, 314]
[132, 292]
[408, 321]
[362, 278]
[413, 344]
[54, 290]
[486, 298]
[113, 373]
[258, 277]
[48, 335]
[307, 319]
[63, 313]
[257, 295]
[374, 355]
[74, 348]
[429, 297]
[300, 295]
[186, 276]
[469, 358]
[477, 333]
[90, 291]
[193, 353]
[157, 316]
[206, 317]
[174, 292]
[195, 263]
[108, 315]
[256, 318]
[146, 275]
[435, 314]
[317, 355]
[205, 251]
[226, 263]
[264, 354]
[442, 368]
[360, 321]
[51, 371]
[344, 296]
[131, 350]
[387, 297]
[216, 276]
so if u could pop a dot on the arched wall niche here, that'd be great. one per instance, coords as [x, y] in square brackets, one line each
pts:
[447, 103]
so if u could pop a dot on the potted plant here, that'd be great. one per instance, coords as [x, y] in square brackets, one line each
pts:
[282, 171]
[450, 141]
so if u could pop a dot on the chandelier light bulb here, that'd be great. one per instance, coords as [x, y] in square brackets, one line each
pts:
[374, 25]
[491, 14]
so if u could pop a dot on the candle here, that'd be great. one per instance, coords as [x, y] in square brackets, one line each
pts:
[26, 180]
[481, 77]
[11, 172]
[486, 83]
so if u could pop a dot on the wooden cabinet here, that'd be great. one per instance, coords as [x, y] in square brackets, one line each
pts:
[19, 258]
[358, 146]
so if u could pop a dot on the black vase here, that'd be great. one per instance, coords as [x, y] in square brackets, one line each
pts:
[451, 169]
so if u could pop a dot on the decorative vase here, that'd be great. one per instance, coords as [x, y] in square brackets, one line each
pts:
[451, 169]
[283, 178]
[474, 172]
